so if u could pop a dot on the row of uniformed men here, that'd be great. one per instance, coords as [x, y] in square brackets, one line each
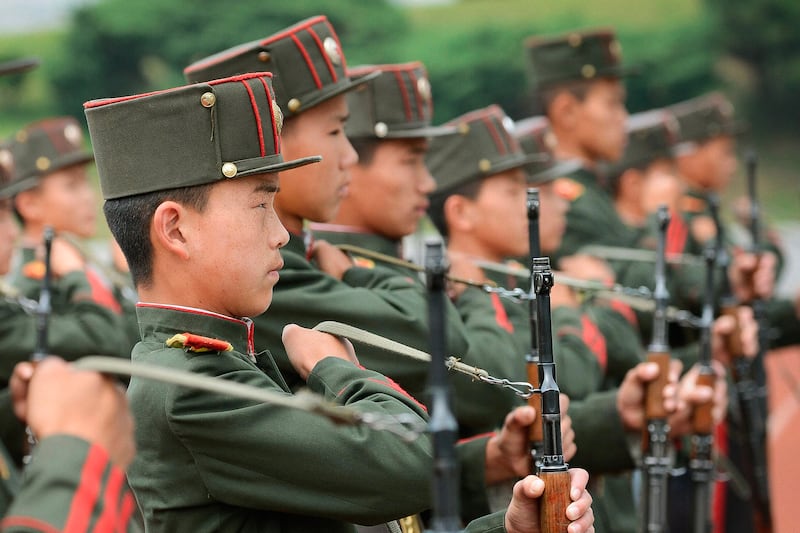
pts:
[155, 173]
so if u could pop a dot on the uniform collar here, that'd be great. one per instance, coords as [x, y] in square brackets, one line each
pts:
[161, 321]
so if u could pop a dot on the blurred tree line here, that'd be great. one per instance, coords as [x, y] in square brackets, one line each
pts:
[750, 48]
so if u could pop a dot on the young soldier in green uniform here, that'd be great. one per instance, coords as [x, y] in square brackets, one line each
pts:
[309, 67]
[48, 169]
[577, 79]
[190, 221]
[389, 126]
[480, 177]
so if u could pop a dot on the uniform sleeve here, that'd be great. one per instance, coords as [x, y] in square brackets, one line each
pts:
[76, 328]
[493, 523]
[472, 462]
[70, 485]
[298, 462]
[480, 407]
[599, 435]
[377, 300]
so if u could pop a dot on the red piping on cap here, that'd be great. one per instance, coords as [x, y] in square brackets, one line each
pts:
[294, 29]
[275, 137]
[404, 94]
[257, 116]
[420, 102]
[324, 54]
[307, 58]
[495, 134]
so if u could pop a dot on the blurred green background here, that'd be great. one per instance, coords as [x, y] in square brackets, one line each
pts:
[473, 50]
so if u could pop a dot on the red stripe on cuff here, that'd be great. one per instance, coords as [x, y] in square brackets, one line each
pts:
[85, 498]
[107, 521]
[125, 512]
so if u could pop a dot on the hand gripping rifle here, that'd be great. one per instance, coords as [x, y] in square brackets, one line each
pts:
[443, 426]
[655, 442]
[701, 462]
[552, 468]
[532, 358]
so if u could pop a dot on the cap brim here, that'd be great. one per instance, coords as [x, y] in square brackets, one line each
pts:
[279, 167]
[430, 131]
[18, 66]
[32, 180]
[559, 169]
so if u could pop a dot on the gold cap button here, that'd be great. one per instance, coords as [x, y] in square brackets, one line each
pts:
[588, 71]
[293, 105]
[42, 163]
[208, 99]
[485, 165]
[229, 170]
[264, 56]
[381, 129]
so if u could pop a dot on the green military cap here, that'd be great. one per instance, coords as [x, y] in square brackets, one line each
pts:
[306, 59]
[17, 66]
[705, 117]
[482, 147]
[578, 55]
[40, 149]
[186, 136]
[537, 139]
[652, 135]
[396, 104]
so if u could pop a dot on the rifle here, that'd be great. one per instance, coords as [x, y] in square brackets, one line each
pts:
[552, 469]
[701, 462]
[532, 358]
[44, 307]
[42, 313]
[655, 443]
[443, 426]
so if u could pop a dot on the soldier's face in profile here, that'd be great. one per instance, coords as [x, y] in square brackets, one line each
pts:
[389, 194]
[499, 214]
[314, 192]
[64, 200]
[8, 234]
[712, 165]
[601, 120]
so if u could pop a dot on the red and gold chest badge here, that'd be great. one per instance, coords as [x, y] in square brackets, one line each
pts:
[568, 189]
[34, 270]
[198, 344]
[363, 262]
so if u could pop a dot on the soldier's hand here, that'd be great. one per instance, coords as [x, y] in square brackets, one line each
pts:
[691, 395]
[726, 325]
[752, 276]
[55, 399]
[330, 259]
[586, 267]
[631, 395]
[306, 347]
[522, 515]
[563, 296]
[508, 453]
[568, 445]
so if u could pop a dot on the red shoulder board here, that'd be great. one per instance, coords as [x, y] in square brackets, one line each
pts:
[568, 189]
[363, 262]
[34, 270]
[198, 343]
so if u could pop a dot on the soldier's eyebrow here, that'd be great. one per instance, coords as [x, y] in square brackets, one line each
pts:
[267, 186]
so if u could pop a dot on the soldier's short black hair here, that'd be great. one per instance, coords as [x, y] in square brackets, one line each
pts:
[470, 190]
[577, 88]
[365, 147]
[129, 219]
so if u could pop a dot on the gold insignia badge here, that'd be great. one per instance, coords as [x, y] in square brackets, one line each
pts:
[73, 135]
[278, 114]
[424, 88]
[363, 262]
[332, 50]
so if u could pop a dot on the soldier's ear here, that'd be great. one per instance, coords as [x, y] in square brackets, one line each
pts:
[564, 111]
[459, 214]
[29, 205]
[167, 232]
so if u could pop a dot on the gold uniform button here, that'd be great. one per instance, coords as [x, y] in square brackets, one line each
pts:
[463, 128]
[264, 56]
[574, 40]
[381, 129]
[229, 170]
[42, 163]
[485, 165]
[588, 71]
[208, 99]
[293, 105]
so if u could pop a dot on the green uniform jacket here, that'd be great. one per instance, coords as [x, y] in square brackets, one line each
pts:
[70, 485]
[478, 407]
[211, 463]
[375, 299]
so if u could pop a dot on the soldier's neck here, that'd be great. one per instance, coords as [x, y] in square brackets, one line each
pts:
[468, 246]
[565, 151]
[630, 212]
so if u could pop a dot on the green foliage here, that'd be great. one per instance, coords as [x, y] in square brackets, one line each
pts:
[120, 47]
